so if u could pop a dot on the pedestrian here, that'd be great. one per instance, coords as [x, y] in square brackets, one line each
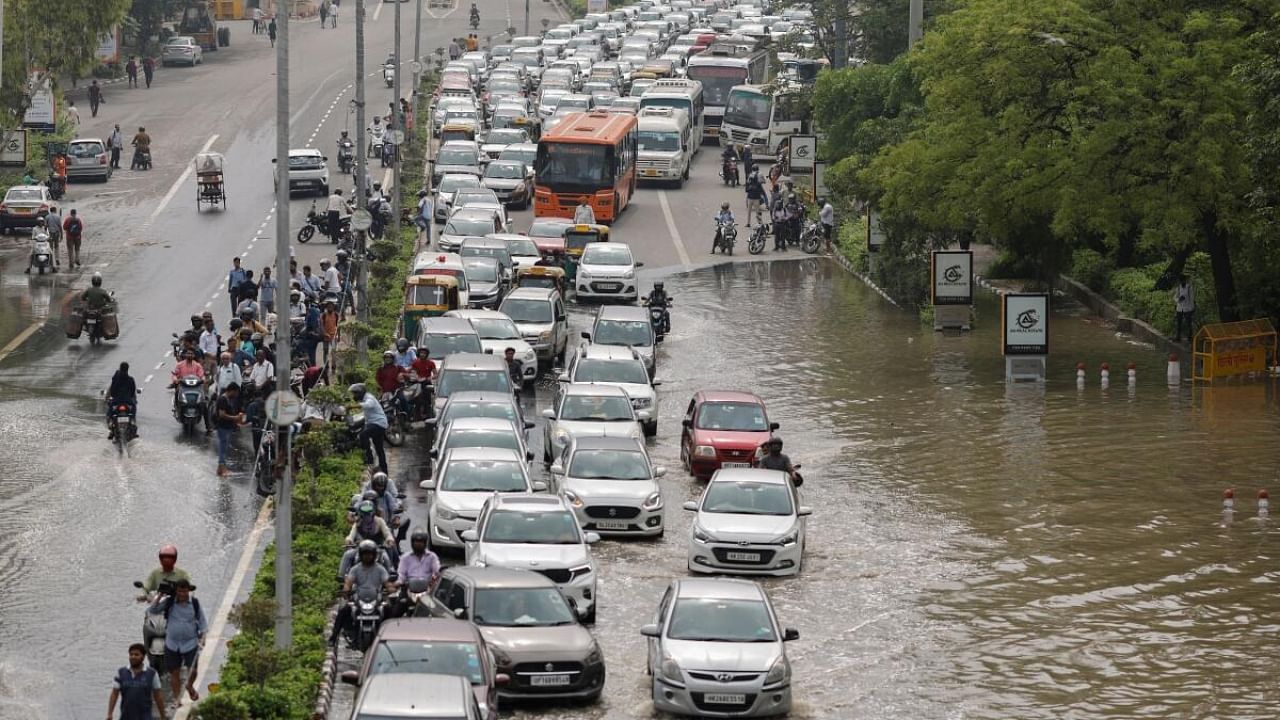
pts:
[53, 223]
[73, 115]
[755, 197]
[374, 434]
[267, 286]
[131, 69]
[234, 278]
[257, 21]
[324, 13]
[271, 30]
[73, 228]
[248, 289]
[827, 217]
[778, 214]
[338, 208]
[748, 162]
[1184, 307]
[423, 218]
[136, 687]
[329, 329]
[116, 143]
[95, 97]
[333, 15]
[227, 417]
[310, 284]
[185, 627]
[148, 69]
[455, 51]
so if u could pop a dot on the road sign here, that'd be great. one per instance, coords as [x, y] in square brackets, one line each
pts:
[283, 408]
[804, 151]
[952, 277]
[13, 147]
[1025, 320]
[361, 220]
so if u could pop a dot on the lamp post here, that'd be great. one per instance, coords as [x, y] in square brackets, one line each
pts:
[284, 488]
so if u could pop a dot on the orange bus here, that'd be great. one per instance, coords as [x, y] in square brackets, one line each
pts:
[591, 155]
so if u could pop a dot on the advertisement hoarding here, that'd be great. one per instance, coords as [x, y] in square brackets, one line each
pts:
[13, 147]
[42, 114]
[952, 273]
[109, 46]
[875, 236]
[1024, 318]
[597, 6]
[804, 151]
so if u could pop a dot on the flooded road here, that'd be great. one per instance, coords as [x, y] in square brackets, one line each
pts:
[977, 550]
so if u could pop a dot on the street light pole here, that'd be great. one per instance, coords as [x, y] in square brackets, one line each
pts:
[362, 162]
[284, 488]
[526, 17]
[393, 227]
[915, 22]
[417, 60]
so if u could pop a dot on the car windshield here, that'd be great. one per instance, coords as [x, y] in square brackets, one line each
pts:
[495, 328]
[717, 81]
[623, 332]
[21, 194]
[573, 103]
[748, 109]
[428, 295]
[532, 528]
[520, 607]
[457, 156]
[182, 42]
[456, 410]
[415, 656]
[732, 416]
[572, 165]
[600, 408]
[451, 381]
[485, 272]
[657, 140]
[448, 344]
[519, 154]
[551, 97]
[527, 311]
[505, 137]
[478, 227]
[610, 371]
[549, 228]
[609, 465]
[472, 196]
[606, 254]
[483, 476]
[304, 161]
[474, 438]
[745, 497]
[85, 149]
[505, 171]
[454, 183]
[716, 620]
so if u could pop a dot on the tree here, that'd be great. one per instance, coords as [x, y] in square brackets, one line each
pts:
[59, 37]
[150, 15]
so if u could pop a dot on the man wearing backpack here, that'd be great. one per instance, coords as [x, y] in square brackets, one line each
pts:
[136, 688]
[73, 228]
[185, 627]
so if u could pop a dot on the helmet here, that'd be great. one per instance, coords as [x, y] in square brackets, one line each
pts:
[365, 507]
[402, 344]
[388, 355]
[422, 193]
[379, 481]
[324, 261]
[344, 133]
[256, 338]
[367, 546]
[775, 442]
[357, 391]
[97, 279]
[247, 313]
[295, 294]
[419, 535]
[423, 351]
[236, 324]
[658, 285]
[724, 206]
[367, 497]
[342, 254]
[197, 320]
[377, 186]
[170, 551]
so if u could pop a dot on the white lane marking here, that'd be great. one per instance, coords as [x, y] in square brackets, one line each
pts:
[219, 625]
[158, 366]
[147, 379]
[182, 179]
[671, 227]
[452, 7]
[208, 303]
[21, 338]
[378, 11]
[297, 116]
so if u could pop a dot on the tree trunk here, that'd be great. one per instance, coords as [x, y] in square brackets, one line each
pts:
[1224, 281]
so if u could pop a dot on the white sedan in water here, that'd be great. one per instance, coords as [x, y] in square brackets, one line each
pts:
[749, 522]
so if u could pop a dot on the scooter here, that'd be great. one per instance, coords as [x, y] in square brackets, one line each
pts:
[659, 317]
[389, 74]
[346, 156]
[726, 236]
[154, 626]
[377, 133]
[397, 419]
[41, 253]
[475, 21]
[190, 402]
[729, 172]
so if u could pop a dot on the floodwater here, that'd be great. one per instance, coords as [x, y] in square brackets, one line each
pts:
[977, 550]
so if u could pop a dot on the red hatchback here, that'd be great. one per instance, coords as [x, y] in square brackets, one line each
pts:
[723, 428]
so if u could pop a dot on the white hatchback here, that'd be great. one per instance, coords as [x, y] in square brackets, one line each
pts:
[749, 522]
[607, 271]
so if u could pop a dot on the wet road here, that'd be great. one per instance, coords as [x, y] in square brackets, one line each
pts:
[976, 550]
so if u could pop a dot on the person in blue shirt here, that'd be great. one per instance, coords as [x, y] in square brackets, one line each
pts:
[136, 688]
[724, 219]
[234, 279]
[184, 635]
[374, 435]
[405, 354]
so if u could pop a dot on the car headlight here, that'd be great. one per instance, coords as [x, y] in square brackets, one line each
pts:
[702, 535]
[560, 436]
[573, 498]
[445, 513]
[653, 502]
[788, 539]
[581, 571]
[595, 657]
[545, 336]
[500, 656]
[629, 275]
[704, 451]
[641, 402]
[780, 671]
[529, 356]
[478, 561]
[671, 671]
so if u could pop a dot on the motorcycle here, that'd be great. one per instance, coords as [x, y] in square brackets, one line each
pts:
[57, 186]
[389, 74]
[475, 21]
[346, 156]
[93, 324]
[729, 172]
[142, 159]
[811, 238]
[755, 245]
[154, 626]
[190, 402]
[123, 423]
[377, 135]
[397, 419]
[41, 253]
[659, 317]
[317, 221]
[726, 236]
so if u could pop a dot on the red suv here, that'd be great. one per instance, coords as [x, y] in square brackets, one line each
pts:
[723, 428]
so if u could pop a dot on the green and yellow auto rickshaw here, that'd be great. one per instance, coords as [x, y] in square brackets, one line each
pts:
[576, 239]
[542, 276]
[428, 296]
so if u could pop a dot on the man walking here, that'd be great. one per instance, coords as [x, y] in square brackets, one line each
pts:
[73, 228]
[235, 278]
[267, 292]
[1184, 306]
[271, 30]
[148, 69]
[116, 143]
[374, 435]
[324, 13]
[53, 223]
[131, 69]
[136, 687]
[73, 115]
[227, 417]
[185, 627]
[827, 218]
[95, 97]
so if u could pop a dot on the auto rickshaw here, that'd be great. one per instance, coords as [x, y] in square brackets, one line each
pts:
[457, 131]
[541, 276]
[575, 241]
[428, 296]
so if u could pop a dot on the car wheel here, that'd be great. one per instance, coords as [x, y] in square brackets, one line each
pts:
[590, 617]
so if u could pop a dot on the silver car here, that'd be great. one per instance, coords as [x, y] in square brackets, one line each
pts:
[588, 411]
[716, 650]
[88, 158]
[622, 367]
[446, 189]
[410, 696]
[465, 223]
[611, 485]
[465, 478]
[181, 50]
[627, 326]
[456, 156]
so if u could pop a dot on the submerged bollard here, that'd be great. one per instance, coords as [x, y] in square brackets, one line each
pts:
[1264, 502]
[1174, 376]
[1080, 375]
[1228, 506]
[1133, 373]
[1106, 375]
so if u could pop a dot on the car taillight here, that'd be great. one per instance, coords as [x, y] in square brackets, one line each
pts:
[122, 408]
[2, 207]
[102, 159]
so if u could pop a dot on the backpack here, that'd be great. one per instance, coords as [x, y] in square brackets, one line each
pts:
[168, 606]
[74, 226]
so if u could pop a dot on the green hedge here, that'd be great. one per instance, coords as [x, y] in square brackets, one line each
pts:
[1134, 291]
[577, 8]
[851, 239]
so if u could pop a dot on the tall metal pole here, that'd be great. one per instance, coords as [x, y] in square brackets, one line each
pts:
[393, 228]
[417, 59]
[362, 164]
[526, 17]
[915, 22]
[840, 28]
[284, 489]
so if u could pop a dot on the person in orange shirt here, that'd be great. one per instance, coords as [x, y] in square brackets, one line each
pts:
[329, 327]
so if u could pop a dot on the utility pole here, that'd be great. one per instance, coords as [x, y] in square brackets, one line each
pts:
[362, 164]
[284, 488]
[915, 22]
[417, 60]
[393, 227]
[840, 28]
[526, 17]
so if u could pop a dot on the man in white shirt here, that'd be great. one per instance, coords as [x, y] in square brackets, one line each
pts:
[332, 282]
[583, 214]
[226, 374]
[209, 346]
[338, 208]
[263, 373]
[297, 308]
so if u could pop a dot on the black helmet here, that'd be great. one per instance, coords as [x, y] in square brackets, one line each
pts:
[419, 535]
[422, 193]
[256, 338]
[236, 324]
[402, 344]
[379, 481]
[357, 391]
[97, 280]
[658, 285]
[196, 320]
[246, 313]
[344, 133]
[342, 254]
[368, 496]
[724, 206]
[774, 441]
[367, 546]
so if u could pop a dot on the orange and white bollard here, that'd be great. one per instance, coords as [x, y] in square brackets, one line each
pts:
[1174, 375]
[1080, 375]
[1106, 375]
[1264, 502]
[1133, 374]
[1228, 499]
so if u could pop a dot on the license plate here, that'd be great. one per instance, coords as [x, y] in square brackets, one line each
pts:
[735, 465]
[743, 557]
[612, 525]
[724, 699]
[549, 680]
[123, 420]
[23, 211]
[649, 173]
[610, 286]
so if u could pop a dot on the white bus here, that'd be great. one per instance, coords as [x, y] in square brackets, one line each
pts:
[762, 120]
[663, 140]
[683, 95]
[724, 65]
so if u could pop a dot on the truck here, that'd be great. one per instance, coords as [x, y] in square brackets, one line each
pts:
[198, 22]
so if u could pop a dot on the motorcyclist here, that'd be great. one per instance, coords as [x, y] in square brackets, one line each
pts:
[345, 152]
[423, 372]
[405, 354]
[389, 377]
[168, 572]
[756, 197]
[386, 501]
[475, 14]
[418, 564]
[376, 131]
[249, 318]
[369, 526]
[723, 220]
[730, 155]
[187, 366]
[658, 296]
[338, 208]
[775, 459]
[123, 391]
[368, 579]
[95, 299]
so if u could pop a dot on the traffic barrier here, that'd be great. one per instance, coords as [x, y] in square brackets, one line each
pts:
[1105, 375]
[1133, 374]
[1080, 375]
[1228, 499]
[1174, 374]
[1264, 502]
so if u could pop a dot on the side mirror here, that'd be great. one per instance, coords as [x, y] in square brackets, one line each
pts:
[434, 454]
[470, 536]
[557, 469]
[351, 677]
[460, 613]
[432, 421]
[790, 634]
[563, 377]
[639, 264]
[691, 506]
[586, 335]
[659, 471]
[273, 160]
[428, 484]
[539, 486]
[650, 630]
[137, 584]
[549, 414]
[528, 455]
[804, 510]
[656, 383]
[528, 425]
[687, 423]
[774, 426]
[659, 339]
[592, 538]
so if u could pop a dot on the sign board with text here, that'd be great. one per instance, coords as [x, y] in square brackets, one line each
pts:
[597, 6]
[804, 152]
[109, 46]
[13, 147]
[820, 178]
[875, 236]
[1024, 319]
[952, 273]
[42, 113]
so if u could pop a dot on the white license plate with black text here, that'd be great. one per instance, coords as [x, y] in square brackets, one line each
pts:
[611, 524]
[723, 699]
[743, 556]
[549, 680]
[735, 465]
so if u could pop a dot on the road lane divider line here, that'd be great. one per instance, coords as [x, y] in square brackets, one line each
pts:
[219, 625]
[378, 11]
[182, 180]
[21, 338]
[675, 232]
[158, 366]
[147, 379]
[297, 116]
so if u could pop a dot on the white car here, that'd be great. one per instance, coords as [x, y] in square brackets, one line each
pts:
[622, 367]
[467, 222]
[497, 333]
[607, 271]
[538, 533]
[611, 485]
[749, 522]
[524, 252]
[466, 478]
[480, 432]
[308, 170]
[447, 188]
[587, 411]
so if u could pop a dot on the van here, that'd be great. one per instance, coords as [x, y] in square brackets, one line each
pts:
[663, 141]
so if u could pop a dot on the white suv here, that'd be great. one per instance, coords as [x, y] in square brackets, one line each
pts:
[308, 170]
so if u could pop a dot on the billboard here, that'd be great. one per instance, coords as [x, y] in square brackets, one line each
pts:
[952, 273]
[597, 6]
[804, 151]
[109, 46]
[875, 236]
[13, 147]
[42, 114]
[1024, 318]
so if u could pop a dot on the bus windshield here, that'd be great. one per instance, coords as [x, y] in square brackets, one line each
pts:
[717, 81]
[574, 166]
[681, 103]
[748, 109]
[658, 141]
